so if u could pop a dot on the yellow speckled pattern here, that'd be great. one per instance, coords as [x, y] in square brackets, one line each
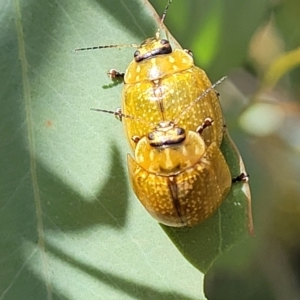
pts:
[158, 66]
[170, 159]
[160, 88]
[188, 197]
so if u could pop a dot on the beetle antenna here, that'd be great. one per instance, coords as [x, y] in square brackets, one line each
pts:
[204, 94]
[119, 115]
[108, 46]
[116, 113]
[165, 12]
[129, 45]
[162, 19]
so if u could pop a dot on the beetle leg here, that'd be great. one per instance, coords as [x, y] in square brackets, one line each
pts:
[206, 123]
[135, 138]
[113, 74]
[243, 177]
[118, 114]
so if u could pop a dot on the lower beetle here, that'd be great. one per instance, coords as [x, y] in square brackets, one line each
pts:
[178, 179]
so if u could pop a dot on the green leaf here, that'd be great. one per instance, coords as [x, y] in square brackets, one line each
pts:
[290, 35]
[71, 228]
[283, 11]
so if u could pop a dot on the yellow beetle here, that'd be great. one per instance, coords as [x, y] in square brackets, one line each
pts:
[178, 179]
[159, 84]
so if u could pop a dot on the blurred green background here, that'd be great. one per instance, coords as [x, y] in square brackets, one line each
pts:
[256, 43]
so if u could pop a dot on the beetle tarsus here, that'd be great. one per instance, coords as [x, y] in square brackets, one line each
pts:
[243, 177]
[113, 74]
[206, 123]
[135, 138]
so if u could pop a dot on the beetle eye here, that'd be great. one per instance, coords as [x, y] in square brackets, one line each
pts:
[164, 42]
[151, 136]
[136, 53]
[180, 131]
